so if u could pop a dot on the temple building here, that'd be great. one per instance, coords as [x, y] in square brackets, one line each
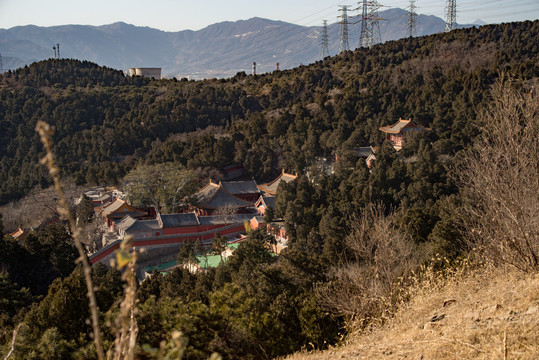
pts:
[397, 132]
[263, 203]
[270, 188]
[233, 196]
[115, 211]
[245, 190]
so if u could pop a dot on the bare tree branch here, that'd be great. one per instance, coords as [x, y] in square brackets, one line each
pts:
[499, 178]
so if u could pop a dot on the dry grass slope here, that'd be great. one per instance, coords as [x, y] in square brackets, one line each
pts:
[489, 313]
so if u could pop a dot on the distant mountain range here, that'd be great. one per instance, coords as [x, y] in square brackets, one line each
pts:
[219, 50]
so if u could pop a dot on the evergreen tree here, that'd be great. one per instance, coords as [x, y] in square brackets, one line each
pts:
[187, 253]
[85, 210]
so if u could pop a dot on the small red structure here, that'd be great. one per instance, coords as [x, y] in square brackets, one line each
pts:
[263, 203]
[372, 156]
[18, 233]
[396, 132]
[117, 210]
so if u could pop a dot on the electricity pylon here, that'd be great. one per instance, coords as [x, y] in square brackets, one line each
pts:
[450, 15]
[412, 15]
[343, 44]
[363, 22]
[370, 27]
[324, 51]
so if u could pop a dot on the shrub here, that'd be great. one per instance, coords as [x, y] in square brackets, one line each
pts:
[371, 280]
[499, 179]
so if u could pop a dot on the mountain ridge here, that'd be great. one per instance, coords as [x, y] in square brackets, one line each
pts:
[218, 50]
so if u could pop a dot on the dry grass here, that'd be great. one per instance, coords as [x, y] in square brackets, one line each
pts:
[478, 315]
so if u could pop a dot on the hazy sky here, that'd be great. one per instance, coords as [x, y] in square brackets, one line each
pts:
[176, 15]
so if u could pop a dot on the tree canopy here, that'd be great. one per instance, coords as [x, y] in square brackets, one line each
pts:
[164, 186]
[161, 134]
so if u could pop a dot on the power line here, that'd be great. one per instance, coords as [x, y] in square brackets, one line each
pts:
[286, 40]
[261, 44]
[262, 39]
[296, 22]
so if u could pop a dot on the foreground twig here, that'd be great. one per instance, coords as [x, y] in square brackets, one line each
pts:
[13, 342]
[46, 132]
[126, 324]
[504, 345]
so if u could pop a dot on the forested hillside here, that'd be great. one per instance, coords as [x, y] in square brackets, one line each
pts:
[259, 306]
[101, 116]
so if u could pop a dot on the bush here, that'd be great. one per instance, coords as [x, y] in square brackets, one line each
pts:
[500, 183]
[370, 283]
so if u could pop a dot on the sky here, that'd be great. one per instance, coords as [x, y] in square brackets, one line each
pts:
[177, 15]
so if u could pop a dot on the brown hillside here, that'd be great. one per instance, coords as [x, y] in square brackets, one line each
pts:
[488, 314]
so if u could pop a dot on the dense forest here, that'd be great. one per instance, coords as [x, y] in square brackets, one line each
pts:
[106, 123]
[254, 306]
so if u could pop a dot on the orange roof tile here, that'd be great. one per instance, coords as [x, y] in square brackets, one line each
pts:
[271, 187]
[17, 233]
[402, 124]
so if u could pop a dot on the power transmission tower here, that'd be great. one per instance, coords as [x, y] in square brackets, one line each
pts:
[370, 27]
[58, 48]
[363, 21]
[54, 48]
[412, 15]
[450, 15]
[324, 51]
[343, 45]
